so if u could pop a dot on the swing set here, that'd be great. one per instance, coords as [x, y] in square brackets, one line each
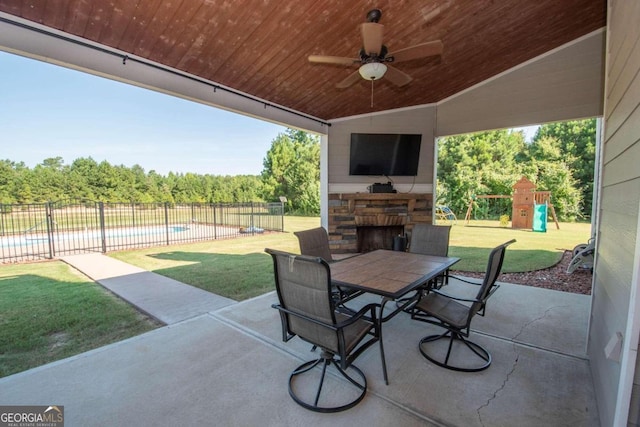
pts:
[529, 209]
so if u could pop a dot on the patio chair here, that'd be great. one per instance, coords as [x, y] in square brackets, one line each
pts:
[315, 243]
[430, 239]
[308, 310]
[454, 314]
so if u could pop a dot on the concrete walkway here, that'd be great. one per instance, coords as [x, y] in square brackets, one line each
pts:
[219, 362]
[158, 296]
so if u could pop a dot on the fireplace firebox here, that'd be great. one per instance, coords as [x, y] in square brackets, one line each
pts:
[371, 238]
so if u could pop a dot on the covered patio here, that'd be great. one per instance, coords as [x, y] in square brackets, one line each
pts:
[230, 367]
[504, 64]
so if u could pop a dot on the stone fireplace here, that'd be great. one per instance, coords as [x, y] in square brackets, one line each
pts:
[362, 222]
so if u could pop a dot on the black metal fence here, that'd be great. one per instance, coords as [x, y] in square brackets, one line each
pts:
[44, 231]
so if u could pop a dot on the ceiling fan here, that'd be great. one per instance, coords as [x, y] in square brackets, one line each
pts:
[374, 57]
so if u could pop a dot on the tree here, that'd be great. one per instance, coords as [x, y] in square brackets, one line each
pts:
[577, 141]
[291, 169]
[491, 162]
[8, 181]
[478, 164]
[549, 169]
[48, 179]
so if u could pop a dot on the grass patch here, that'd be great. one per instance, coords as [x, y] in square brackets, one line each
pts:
[236, 268]
[48, 312]
[239, 268]
[532, 250]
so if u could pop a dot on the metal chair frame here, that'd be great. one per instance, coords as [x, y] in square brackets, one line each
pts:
[460, 332]
[340, 359]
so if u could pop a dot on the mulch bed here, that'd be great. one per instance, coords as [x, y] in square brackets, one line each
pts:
[555, 277]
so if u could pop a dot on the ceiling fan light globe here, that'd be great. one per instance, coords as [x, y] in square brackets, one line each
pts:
[372, 70]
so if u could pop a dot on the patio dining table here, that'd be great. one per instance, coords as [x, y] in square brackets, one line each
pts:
[391, 275]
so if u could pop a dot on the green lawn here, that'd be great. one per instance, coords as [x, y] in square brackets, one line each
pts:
[532, 250]
[236, 268]
[49, 311]
[239, 268]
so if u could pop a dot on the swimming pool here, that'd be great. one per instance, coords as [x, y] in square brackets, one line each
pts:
[86, 235]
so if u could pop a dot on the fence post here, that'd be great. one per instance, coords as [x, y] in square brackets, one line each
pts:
[49, 221]
[282, 215]
[3, 211]
[215, 222]
[253, 228]
[166, 220]
[103, 231]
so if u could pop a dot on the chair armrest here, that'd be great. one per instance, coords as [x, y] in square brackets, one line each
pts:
[303, 316]
[342, 257]
[465, 280]
[363, 311]
[453, 297]
[360, 314]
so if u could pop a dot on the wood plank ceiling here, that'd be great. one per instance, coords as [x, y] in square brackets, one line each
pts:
[261, 47]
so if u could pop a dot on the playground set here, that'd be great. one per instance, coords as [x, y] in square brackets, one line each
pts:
[529, 209]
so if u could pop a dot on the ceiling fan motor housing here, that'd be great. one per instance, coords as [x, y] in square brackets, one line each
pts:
[381, 57]
[374, 15]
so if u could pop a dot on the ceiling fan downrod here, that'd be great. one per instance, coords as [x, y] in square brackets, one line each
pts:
[372, 93]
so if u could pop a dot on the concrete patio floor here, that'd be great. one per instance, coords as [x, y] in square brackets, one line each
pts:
[228, 366]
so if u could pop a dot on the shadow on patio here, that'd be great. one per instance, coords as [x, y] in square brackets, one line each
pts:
[230, 367]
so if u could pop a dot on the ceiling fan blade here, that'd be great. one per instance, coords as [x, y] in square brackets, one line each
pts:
[337, 60]
[372, 33]
[397, 77]
[418, 51]
[350, 80]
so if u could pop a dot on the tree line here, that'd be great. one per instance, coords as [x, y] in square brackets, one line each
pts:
[291, 169]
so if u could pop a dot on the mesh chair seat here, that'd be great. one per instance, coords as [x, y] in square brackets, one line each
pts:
[355, 332]
[445, 309]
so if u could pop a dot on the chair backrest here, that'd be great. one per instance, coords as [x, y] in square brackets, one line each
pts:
[494, 266]
[427, 239]
[314, 242]
[303, 284]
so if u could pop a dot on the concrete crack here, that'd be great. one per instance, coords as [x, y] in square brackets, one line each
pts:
[502, 386]
[515, 362]
[532, 321]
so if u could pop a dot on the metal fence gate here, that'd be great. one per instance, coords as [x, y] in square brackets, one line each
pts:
[44, 231]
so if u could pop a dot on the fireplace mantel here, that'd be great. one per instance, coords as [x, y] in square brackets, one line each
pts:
[409, 198]
[348, 211]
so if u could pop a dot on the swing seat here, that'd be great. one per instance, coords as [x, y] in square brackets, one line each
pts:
[444, 213]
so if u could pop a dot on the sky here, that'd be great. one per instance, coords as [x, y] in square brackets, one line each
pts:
[50, 111]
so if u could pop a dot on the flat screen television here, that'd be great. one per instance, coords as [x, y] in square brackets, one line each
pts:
[384, 154]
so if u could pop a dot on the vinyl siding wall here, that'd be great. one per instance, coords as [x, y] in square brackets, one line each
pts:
[619, 209]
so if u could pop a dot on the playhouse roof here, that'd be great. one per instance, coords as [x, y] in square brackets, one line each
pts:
[524, 183]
